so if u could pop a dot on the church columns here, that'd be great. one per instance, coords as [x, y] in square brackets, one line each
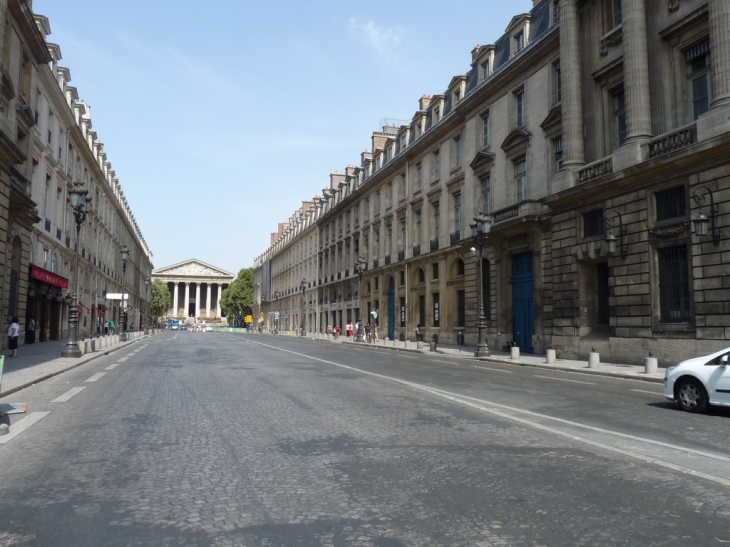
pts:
[197, 300]
[218, 300]
[207, 300]
[187, 299]
[175, 290]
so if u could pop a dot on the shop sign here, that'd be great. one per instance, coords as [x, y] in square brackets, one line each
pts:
[48, 277]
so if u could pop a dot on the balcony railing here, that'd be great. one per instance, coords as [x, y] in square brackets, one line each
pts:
[669, 142]
[434, 245]
[375, 263]
[596, 170]
[417, 250]
[401, 255]
[387, 260]
[347, 272]
[455, 237]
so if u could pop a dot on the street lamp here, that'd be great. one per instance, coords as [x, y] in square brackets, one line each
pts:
[480, 227]
[147, 292]
[699, 194]
[277, 294]
[303, 287]
[80, 205]
[123, 336]
[610, 217]
[360, 267]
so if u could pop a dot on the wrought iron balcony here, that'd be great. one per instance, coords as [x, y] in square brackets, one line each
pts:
[417, 250]
[401, 255]
[434, 245]
[387, 260]
[375, 263]
[455, 237]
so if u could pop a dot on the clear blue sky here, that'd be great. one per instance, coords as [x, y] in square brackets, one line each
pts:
[221, 117]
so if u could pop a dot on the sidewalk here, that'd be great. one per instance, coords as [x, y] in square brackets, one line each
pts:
[42, 360]
[634, 372]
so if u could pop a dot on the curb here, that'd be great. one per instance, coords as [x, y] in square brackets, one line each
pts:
[82, 361]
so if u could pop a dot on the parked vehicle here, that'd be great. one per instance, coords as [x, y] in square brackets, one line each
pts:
[699, 382]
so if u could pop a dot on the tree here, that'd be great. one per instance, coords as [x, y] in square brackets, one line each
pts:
[160, 300]
[237, 298]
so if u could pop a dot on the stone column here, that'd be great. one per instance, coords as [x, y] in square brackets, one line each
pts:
[571, 86]
[720, 51]
[175, 289]
[187, 300]
[197, 300]
[207, 301]
[636, 71]
[218, 300]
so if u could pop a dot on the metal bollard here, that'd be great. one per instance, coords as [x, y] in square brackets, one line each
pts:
[433, 343]
[650, 364]
[594, 359]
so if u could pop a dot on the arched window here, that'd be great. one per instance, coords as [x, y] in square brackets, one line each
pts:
[54, 262]
[459, 267]
[421, 276]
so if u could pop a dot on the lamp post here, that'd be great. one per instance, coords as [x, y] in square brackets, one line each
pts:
[123, 336]
[80, 205]
[610, 217]
[360, 267]
[480, 227]
[302, 288]
[276, 313]
[699, 194]
[147, 313]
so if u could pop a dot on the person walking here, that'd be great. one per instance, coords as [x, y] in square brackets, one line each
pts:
[367, 333]
[13, 333]
[111, 326]
[418, 332]
[30, 331]
[375, 332]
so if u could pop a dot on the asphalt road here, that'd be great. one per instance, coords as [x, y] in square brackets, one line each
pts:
[246, 440]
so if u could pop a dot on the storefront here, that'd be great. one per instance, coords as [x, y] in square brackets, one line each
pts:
[45, 292]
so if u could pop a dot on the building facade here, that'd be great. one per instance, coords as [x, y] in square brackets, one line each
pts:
[594, 136]
[50, 149]
[195, 290]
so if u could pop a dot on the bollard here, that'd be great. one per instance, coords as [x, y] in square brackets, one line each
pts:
[433, 343]
[550, 356]
[514, 353]
[594, 359]
[93, 345]
[650, 364]
[419, 344]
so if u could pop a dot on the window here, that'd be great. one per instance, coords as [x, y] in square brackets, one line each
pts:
[558, 150]
[402, 187]
[556, 11]
[435, 165]
[670, 203]
[698, 65]
[402, 278]
[421, 276]
[377, 279]
[557, 83]
[460, 268]
[435, 270]
[389, 195]
[436, 315]
[418, 228]
[615, 13]
[457, 151]
[460, 308]
[422, 310]
[366, 213]
[419, 129]
[457, 211]
[485, 193]
[403, 142]
[403, 232]
[485, 129]
[593, 223]
[457, 96]
[619, 115]
[389, 241]
[520, 107]
[673, 284]
[436, 114]
[520, 179]
[436, 220]
[519, 41]
[486, 69]
[419, 175]
[402, 311]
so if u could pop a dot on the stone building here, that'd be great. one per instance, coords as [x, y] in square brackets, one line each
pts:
[195, 290]
[49, 146]
[588, 125]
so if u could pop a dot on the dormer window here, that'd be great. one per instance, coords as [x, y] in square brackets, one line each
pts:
[436, 114]
[486, 68]
[457, 96]
[519, 41]
[419, 129]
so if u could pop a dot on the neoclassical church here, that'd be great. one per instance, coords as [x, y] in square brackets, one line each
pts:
[195, 288]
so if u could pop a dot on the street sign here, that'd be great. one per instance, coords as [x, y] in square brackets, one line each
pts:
[276, 315]
[117, 296]
[249, 319]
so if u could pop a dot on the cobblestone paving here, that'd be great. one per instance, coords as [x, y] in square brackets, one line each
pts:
[211, 441]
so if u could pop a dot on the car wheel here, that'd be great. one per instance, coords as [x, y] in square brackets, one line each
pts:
[691, 396]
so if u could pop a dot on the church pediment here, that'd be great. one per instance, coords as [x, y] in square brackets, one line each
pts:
[192, 268]
[517, 140]
[482, 159]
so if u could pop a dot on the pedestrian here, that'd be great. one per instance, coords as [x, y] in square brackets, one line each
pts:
[111, 326]
[30, 331]
[13, 332]
[367, 332]
[418, 332]
[375, 332]
[337, 331]
[106, 327]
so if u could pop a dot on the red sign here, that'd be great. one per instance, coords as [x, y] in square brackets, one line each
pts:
[48, 277]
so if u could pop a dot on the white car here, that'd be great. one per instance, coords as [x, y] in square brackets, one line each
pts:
[701, 381]
[209, 328]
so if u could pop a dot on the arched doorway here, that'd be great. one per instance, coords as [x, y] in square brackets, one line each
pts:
[391, 308]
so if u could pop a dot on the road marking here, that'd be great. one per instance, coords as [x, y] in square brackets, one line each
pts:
[502, 411]
[122, 359]
[494, 369]
[95, 377]
[646, 391]
[447, 362]
[112, 366]
[408, 356]
[70, 393]
[565, 380]
[22, 425]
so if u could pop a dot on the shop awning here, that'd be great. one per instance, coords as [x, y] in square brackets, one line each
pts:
[48, 277]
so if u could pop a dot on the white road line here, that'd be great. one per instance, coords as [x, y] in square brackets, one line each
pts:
[564, 380]
[494, 369]
[112, 366]
[447, 362]
[122, 359]
[95, 377]
[408, 356]
[70, 393]
[21, 425]
[658, 394]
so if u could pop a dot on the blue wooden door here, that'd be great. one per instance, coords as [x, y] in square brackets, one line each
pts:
[391, 308]
[523, 301]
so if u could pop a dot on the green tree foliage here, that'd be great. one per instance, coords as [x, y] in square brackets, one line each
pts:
[160, 300]
[237, 298]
